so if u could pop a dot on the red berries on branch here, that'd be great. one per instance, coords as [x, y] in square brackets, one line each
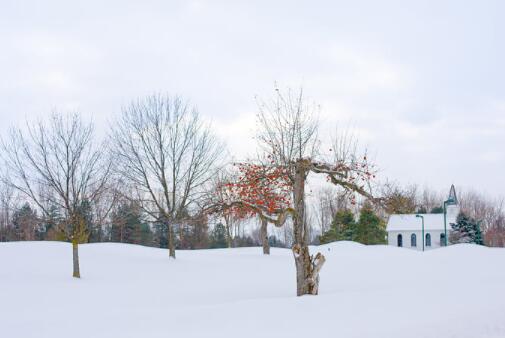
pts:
[258, 187]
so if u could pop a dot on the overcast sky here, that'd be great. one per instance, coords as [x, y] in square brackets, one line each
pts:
[422, 84]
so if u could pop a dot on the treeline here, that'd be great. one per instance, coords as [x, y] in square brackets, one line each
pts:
[145, 183]
[148, 180]
[127, 223]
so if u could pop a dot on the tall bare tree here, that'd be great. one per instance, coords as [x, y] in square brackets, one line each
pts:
[57, 163]
[168, 155]
[288, 129]
[287, 134]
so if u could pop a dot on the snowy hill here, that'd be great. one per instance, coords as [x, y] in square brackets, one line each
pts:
[133, 291]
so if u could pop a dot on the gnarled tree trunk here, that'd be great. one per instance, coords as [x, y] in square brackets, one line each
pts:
[264, 236]
[307, 270]
[307, 267]
[75, 256]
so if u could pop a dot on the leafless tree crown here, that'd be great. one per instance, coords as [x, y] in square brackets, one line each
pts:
[56, 163]
[166, 152]
[287, 126]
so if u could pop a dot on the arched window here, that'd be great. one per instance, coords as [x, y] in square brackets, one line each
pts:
[413, 240]
[400, 240]
[442, 239]
[428, 240]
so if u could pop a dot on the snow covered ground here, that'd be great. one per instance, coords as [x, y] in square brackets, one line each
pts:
[133, 291]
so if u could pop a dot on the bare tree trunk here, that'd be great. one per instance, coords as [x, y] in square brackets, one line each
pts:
[300, 249]
[307, 267]
[264, 236]
[229, 224]
[75, 255]
[171, 241]
[307, 270]
[181, 233]
[228, 237]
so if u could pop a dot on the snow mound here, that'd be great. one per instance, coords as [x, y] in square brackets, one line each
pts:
[366, 291]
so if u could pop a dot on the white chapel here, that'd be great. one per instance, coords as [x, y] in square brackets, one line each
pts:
[424, 231]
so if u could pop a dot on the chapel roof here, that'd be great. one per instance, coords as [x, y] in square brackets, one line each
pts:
[409, 222]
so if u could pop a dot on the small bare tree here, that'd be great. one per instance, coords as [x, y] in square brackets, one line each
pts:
[399, 200]
[168, 155]
[57, 163]
[231, 220]
[328, 201]
[7, 200]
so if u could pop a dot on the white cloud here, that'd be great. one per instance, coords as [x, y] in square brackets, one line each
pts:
[421, 83]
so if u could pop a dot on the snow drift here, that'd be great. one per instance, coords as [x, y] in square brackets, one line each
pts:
[365, 291]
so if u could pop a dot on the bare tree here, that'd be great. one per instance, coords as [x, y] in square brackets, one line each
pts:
[287, 133]
[399, 200]
[57, 163]
[7, 200]
[328, 201]
[232, 221]
[489, 213]
[168, 155]
[430, 199]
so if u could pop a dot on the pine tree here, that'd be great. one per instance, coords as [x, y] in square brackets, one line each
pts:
[93, 230]
[50, 223]
[218, 237]
[437, 210]
[370, 228]
[128, 225]
[342, 228]
[160, 235]
[466, 230]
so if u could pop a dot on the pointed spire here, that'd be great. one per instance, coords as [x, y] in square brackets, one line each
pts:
[452, 195]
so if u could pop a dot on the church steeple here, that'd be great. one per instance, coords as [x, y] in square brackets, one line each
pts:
[452, 195]
[453, 209]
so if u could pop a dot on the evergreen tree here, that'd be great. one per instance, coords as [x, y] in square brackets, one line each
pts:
[244, 241]
[370, 228]
[128, 225]
[160, 235]
[422, 210]
[218, 236]
[342, 228]
[437, 210]
[94, 231]
[466, 230]
[146, 234]
[274, 242]
[50, 223]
